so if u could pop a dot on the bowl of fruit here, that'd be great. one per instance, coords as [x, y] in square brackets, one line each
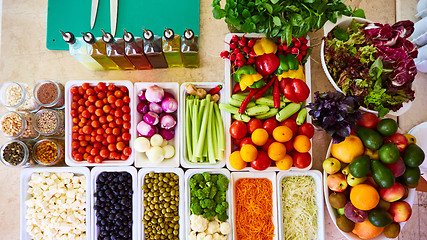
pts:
[370, 179]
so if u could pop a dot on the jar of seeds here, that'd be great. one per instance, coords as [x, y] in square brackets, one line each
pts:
[50, 122]
[18, 96]
[18, 125]
[17, 153]
[48, 152]
[49, 94]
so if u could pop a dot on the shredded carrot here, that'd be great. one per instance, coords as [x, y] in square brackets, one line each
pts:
[254, 209]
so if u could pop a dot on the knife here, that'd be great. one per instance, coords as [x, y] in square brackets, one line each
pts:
[113, 16]
[93, 13]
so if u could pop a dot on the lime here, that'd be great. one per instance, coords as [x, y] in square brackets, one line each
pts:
[387, 127]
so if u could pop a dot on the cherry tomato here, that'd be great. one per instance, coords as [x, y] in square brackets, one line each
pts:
[82, 150]
[289, 145]
[118, 113]
[290, 123]
[99, 138]
[118, 94]
[95, 124]
[124, 89]
[75, 145]
[127, 151]
[267, 144]
[111, 87]
[101, 95]
[78, 157]
[306, 129]
[253, 124]
[110, 118]
[102, 119]
[90, 159]
[91, 99]
[86, 114]
[112, 125]
[238, 130]
[126, 117]
[126, 99]
[269, 125]
[116, 131]
[106, 108]
[119, 121]
[104, 153]
[126, 109]
[74, 113]
[87, 129]
[85, 86]
[261, 162]
[301, 160]
[94, 151]
[126, 125]
[74, 90]
[99, 112]
[99, 104]
[111, 139]
[120, 146]
[75, 128]
[102, 86]
[112, 147]
[126, 136]
[74, 136]
[74, 105]
[111, 99]
[369, 120]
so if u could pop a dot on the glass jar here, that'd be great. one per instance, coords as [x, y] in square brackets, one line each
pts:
[18, 125]
[18, 96]
[17, 153]
[49, 94]
[48, 152]
[50, 122]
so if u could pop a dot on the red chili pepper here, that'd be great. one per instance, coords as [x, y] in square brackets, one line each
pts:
[215, 90]
[276, 94]
[264, 89]
[236, 88]
[247, 99]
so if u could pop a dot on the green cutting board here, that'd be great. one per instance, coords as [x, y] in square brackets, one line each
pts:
[74, 16]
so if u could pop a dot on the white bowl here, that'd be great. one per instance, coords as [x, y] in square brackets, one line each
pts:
[333, 213]
[344, 22]
[141, 159]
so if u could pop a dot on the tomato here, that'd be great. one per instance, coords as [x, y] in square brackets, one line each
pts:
[369, 120]
[261, 162]
[294, 117]
[253, 124]
[301, 160]
[98, 159]
[270, 124]
[127, 151]
[290, 123]
[246, 140]
[78, 157]
[238, 130]
[306, 129]
[267, 144]
[120, 146]
[236, 142]
[118, 94]
[289, 145]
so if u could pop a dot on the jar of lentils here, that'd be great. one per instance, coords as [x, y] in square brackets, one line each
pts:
[50, 122]
[18, 125]
[17, 153]
[48, 152]
[49, 94]
[18, 96]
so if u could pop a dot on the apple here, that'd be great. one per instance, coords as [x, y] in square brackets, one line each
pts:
[371, 181]
[398, 168]
[399, 140]
[401, 211]
[331, 165]
[353, 181]
[372, 154]
[393, 193]
[337, 182]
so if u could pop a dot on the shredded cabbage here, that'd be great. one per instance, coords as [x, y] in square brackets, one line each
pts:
[299, 208]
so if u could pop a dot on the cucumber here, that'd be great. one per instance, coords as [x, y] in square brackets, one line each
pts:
[241, 117]
[228, 108]
[257, 110]
[268, 102]
[238, 103]
[239, 96]
[269, 114]
[288, 111]
[285, 100]
[302, 115]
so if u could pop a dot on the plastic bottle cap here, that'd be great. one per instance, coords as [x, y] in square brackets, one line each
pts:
[68, 37]
[148, 35]
[128, 37]
[107, 37]
[169, 34]
[188, 34]
[88, 37]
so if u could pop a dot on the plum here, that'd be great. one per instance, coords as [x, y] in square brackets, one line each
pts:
[354, 214]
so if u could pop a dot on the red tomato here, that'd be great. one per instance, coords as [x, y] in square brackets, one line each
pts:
[261, 162]
[267, 144]
[306, 129]
[253, 124]
[238, 130]
[301, 160]
[289, 145]
[270, 124]
[98, 159]
[294, 117]
[236, 142]
[246, 140]
[290, 123]
[369, 120]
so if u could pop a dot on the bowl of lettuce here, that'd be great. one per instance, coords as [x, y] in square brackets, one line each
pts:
[372, 61]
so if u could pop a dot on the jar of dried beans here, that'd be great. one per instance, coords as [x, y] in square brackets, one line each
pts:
[18, 125]
[49, 94]
[17, 153]
[50, 122]
[48, 152]
[18, 96]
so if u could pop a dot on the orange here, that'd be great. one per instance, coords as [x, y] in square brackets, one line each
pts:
[236, 161]
[302, 144]
[364, 197]
[248, 152]
[365, 230]
[276, 151]
[282, 134]
[259, 137]
[285, 163]
[348, 149]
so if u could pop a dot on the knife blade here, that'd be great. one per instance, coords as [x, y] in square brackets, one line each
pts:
[113, 15]
[93, 13]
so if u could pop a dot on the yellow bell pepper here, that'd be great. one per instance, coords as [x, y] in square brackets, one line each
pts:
[294, 74]
[264, 46]
[247, 80]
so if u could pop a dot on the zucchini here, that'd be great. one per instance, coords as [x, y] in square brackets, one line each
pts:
[228, 108]
[241, 117]
[302, 115]
[239, 96]
[288, 111]
[268, 101]
[257, 110]
[238, 103]
[269, 114]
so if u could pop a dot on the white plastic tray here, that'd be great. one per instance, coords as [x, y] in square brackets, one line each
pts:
[69, 124]
[269, 175]
[223, 99]
[141, 175]
[317, 176]
[230, 83]
[141, 159]
[334, 214]
[25, 177]
[188, 174]
[131, 170]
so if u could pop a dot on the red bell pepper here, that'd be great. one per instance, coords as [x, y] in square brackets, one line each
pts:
[296, 90]
[266, 64]
[276, 94]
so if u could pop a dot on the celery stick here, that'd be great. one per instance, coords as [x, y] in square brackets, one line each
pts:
[221, 138]
[194, 126]
[199, 149]
[214, 138]
[188, 129]
[210, 139]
